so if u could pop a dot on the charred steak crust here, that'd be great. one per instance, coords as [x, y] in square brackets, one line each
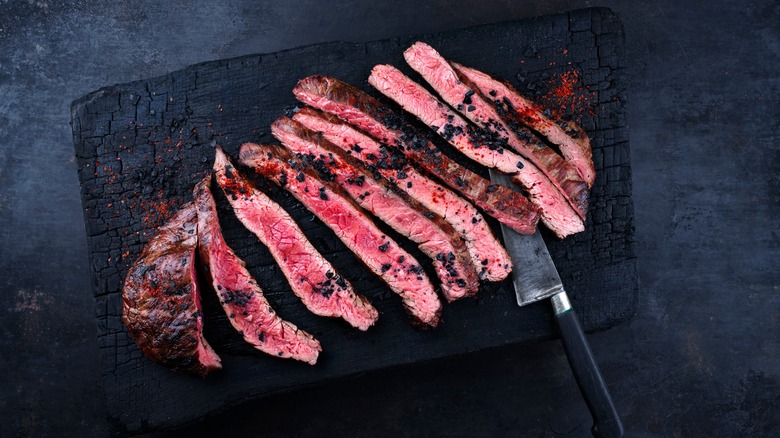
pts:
[241, 297]
[368, 114]
[571, 139]
[161, 300]
[436, 238]
[487, 254]
[311, 276]
[329, 202]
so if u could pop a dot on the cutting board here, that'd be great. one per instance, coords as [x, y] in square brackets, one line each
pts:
[141, 147]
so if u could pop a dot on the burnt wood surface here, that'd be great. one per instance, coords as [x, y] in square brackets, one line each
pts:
[141, 147]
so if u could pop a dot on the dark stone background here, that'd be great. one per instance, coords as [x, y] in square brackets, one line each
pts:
[701, 358]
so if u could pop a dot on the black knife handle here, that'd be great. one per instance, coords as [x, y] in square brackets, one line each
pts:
[606, 422]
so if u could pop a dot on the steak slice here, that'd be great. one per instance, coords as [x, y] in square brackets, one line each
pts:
[435, 237]
[368, 114]
[311, 277]
[473, 142]
[487, 253]
[558, 174]
[571, 140]
[161, 299]
[481, 145]
[327, 201]
[240, 295]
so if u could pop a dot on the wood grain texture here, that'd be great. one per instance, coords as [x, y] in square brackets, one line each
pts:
[142, 146]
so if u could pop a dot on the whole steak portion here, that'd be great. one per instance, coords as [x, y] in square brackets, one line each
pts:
[161, 299]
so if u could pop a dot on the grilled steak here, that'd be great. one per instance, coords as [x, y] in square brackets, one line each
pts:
[328, 202]
[161, 299]
[240, 295]
[572, 141]
[435, 237]
[366, 113]
[487, 254]
[473, 142]
[483, 146]
[559, 179]
[312, 278]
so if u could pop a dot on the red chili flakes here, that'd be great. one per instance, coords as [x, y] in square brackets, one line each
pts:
[568, 81]
[157, 209]
[568, 96]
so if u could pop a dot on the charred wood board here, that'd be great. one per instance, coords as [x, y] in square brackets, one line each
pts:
[141, 147]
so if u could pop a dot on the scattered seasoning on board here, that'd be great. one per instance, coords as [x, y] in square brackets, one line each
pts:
[146, 174]
[157, 209]
[568, 96]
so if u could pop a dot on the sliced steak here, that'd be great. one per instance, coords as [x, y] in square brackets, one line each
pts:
[436, 238]
[368, 114]
[571, 140]
[481, 145]
[381, 254]
[161, 299]
[476, 143]
[311, 277]
[487, 254]
[240, 295]
[558, 175]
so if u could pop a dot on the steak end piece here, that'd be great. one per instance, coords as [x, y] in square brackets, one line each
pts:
[241, 297]
[161, 299]
[311, 277]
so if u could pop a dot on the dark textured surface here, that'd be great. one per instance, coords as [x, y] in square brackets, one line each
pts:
[141, 147]
[701, 358]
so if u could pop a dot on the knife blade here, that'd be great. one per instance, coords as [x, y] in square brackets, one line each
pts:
[535, 277]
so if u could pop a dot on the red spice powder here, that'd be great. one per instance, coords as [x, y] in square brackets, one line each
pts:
[568, 81]
[157, 209]
[568, 96]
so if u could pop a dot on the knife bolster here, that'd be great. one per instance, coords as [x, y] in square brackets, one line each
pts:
[561, 303]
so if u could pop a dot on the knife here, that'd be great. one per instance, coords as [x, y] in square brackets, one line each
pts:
[535, 278]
